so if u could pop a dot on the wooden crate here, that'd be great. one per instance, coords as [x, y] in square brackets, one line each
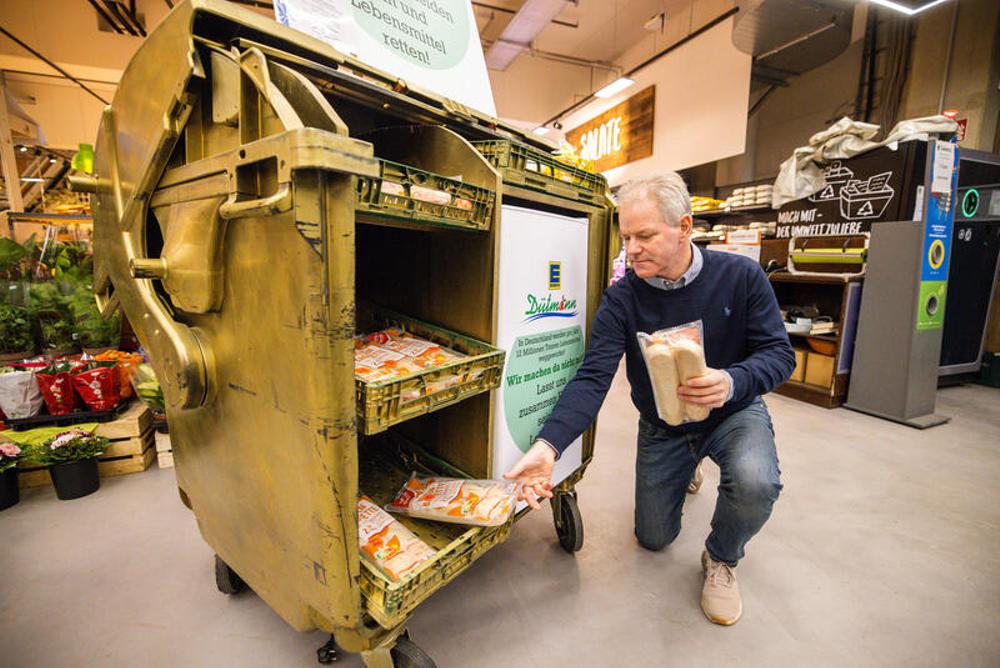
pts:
[132, 449]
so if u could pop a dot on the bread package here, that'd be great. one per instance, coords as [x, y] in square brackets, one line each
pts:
[673, 357]
[387, 544]
[456, 500]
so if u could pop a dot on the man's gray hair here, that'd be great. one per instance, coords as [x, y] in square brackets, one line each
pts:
[664, 189]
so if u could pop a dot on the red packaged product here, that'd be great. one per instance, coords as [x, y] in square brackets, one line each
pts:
[99, 384]
[56, 385]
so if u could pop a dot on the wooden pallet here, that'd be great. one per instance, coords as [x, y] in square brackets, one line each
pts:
[132, 448]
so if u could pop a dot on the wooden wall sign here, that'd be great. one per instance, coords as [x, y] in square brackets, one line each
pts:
[620, 135]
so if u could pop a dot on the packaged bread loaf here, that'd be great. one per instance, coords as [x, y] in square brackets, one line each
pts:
[456, 500]
[387, 544]
[673, 357]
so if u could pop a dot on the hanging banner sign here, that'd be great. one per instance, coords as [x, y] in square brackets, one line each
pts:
[622, 134]
[541, 323]
[431, 44]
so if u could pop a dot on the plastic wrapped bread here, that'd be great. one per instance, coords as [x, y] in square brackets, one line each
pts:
[673, 357]
[456, 500]
[391, 354]
[387, 544]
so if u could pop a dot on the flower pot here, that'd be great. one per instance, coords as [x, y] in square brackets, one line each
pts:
[13, 358]
[75, 479]
[9, 492]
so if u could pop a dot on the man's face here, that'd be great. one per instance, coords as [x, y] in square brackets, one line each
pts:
[653, 247]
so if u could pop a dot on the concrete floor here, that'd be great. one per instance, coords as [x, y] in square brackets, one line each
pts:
[884, 550]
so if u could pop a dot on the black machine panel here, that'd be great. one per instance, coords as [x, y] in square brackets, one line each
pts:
[974, 258]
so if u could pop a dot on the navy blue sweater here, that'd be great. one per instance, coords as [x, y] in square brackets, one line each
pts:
[743, 331]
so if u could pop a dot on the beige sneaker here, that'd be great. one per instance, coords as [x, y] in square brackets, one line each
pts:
[720, 595]
[696, 480]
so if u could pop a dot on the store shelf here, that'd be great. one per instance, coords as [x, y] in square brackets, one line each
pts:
[813, 394]
[825, 337]
[720, 213]
[813, 279]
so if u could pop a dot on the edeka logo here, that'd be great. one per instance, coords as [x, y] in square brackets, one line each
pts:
[429, 33]
[547, 307]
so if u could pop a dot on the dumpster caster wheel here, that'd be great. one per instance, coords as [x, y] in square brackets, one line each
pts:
[569, 523]
[407, 655]
[226, 578]
[328, 652]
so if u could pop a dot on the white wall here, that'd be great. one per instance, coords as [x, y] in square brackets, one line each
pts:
[702, 91]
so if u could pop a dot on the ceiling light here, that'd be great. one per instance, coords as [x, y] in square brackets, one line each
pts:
[32, 179]
[541, 130]
[616, 86]
[53, 161]
[908, 7]
[23, 149]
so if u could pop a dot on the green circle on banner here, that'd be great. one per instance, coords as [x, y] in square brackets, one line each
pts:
[970, 203]
[538, 368]
[429, 33]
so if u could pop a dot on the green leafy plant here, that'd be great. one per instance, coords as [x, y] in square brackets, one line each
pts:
[15, 329]
[93, 330]
[9, 456]
[15, 258]
[50, 307]
[69, 446]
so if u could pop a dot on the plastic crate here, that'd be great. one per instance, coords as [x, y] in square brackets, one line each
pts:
[385, 403]
[406, 193]
[534, 169]
[388, 462]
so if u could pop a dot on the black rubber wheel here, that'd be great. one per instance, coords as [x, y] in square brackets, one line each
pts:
[226, 578]
[407, 655]
[569, 526]
[327, 654]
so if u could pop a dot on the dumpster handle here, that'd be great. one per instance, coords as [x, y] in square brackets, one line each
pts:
[272, 204]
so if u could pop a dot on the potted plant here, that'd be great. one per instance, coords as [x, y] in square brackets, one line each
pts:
[17, 341]
[50, 306]
[94, 332]
[9, 492]
[71, 458]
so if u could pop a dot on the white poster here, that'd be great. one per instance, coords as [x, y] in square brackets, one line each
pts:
[542, 324]
[432, 44]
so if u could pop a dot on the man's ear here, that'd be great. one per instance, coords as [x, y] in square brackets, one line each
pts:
[686, 224]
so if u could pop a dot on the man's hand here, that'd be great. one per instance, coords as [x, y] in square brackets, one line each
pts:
[710, 389]
[534, 472]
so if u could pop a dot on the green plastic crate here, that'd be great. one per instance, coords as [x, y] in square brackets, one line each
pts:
[387, 462]
[385, 403]
[531, 168]
[405, 193]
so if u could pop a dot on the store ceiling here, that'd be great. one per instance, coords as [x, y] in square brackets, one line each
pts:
[604, 29]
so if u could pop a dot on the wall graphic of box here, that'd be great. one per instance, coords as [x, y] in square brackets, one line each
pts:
[866, 199]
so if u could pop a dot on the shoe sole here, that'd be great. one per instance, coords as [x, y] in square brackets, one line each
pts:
[722, 622]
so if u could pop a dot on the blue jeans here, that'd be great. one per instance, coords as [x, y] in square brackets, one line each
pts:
[743, 447]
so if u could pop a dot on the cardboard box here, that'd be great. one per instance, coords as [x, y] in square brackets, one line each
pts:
[799, 375]
[819, 369]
